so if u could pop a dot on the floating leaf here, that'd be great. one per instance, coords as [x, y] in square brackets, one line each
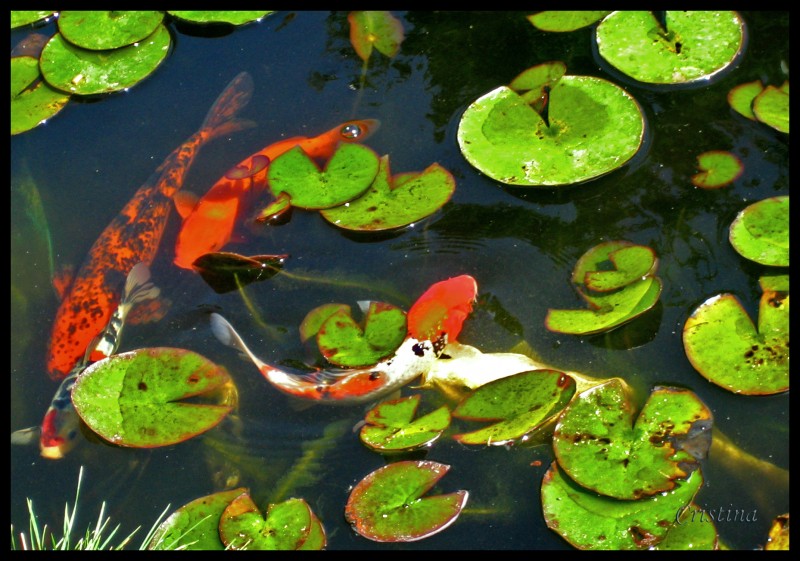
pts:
[104, 30]
[288, 525]
[602, 446]
[76, 70]
[388, 504]
[26, 17]
[394, 202]
[565, 20]
[314, 319]
[391, 427]
[224, 271]
[772, 107]
[692, 530]
[696, 46]
[724, 346]
[133, 399]
[613, 265]
[349, 172]
[233, 17]
[442, 309]
[195, 526]
[33, 100]
[517, 405]
[778, 539]
[719, 168]
[344, 342]
[741, 97]
[594, 128]
[589, 521]
[760, 232]
[379, 29]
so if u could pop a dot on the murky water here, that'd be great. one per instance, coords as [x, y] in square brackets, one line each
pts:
[519, 244]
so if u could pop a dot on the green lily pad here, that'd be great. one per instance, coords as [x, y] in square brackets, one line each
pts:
[104, 30]
[33, 100]
[289, 525]
[224, 271]
[760, 232]
[692, 530]
[394, 202]
[233, 17]
[133, 399]
[79, 71]
[741, 97]
[378, 29]
[517, 405]
[594, 128]
[342, 341]
[314, 319]
[724, 346]
[602, 446]
[696, 46]
[772, 107]
[391, 427]
[589, 521]
[195, 526]
[27, 17]
[565, 20]
[774, 282]
[613, 265]
[388, 504]
[349, 173]
[719, 168]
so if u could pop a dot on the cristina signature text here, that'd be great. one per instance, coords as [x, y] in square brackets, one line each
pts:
[692, 514]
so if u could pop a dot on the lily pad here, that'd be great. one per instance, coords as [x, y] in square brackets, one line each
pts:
[224, 271]
[79, 71]
[442, 309]
[724, 346]
[378, 29]
[195, 526]
[388, 504]
[741, 97]
[695, 47]
[719, 168]
[517, 405]
[27, 17]
[565, 20]
[290, 525]
[590, 521]
[692, 530]
[133, 399]
[772, 107]
[349, 173]
[613, 265]
[778, 539]
[33, 100]
[602, 446]
[342, 341]
[104, 30]
[760, 232]
[314, 319]
[390, 426]
[233, 17]
[595, 127]
[394, 202]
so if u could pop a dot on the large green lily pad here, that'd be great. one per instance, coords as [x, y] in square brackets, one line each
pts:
[760, 232]
[696, 46]
[134, 398]
[595, 128]
[394, 202]
[589, 521]
[724, 346]
[104, 30]
[603, 446]
[33, 100]
[390, 426]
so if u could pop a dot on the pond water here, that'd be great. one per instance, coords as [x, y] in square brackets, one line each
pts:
[520, 245]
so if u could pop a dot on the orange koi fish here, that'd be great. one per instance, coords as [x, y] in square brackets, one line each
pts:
[443, 307]
[133, 237]
[208, 225]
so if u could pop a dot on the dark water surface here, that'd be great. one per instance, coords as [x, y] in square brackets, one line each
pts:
[520, 245]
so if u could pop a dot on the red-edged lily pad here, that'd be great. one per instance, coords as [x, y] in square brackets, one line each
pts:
[760, 232]
[442, 309]
[389, 505]
[225, 271]
[516, 406]
[718, 169]
[390, 426]
[375, 29]
[33, 100]
[134, 399]
[98, 30]
[603, 445]
[772, 107]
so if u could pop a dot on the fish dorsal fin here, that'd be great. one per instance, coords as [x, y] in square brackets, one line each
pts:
[185, 202]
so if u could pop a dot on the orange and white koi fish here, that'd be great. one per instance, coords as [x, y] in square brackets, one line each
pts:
[60, 426]
[133, 237]
[413, 358]
[209, 224]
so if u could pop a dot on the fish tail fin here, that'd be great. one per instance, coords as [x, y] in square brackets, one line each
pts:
[138, 286]
[227, 335]
[220, 119]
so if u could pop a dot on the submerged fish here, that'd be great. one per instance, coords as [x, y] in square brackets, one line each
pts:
[209, 223]
[59, 429]
[437, 317]
[133, 237]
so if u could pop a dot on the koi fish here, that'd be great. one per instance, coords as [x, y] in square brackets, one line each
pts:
[133, 237]
[59, 430]
[448, 301]
[208, 225]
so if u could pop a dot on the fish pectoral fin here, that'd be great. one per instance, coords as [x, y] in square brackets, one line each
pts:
[149, 311]
[62, 280]
[185, 203]
[26, 436]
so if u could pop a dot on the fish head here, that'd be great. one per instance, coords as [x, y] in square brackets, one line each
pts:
[442, 309]
[60, 429]
[207, 229]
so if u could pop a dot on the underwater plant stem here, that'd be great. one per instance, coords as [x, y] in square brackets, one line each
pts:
[362, 81]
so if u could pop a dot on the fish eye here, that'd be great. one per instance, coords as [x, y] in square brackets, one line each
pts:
[351, 131]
